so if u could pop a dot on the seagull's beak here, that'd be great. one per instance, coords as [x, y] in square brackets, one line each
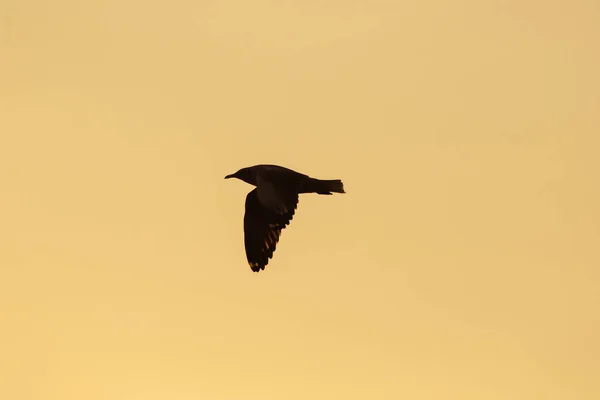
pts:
[230, 176]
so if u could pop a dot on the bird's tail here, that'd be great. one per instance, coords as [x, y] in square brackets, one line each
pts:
[320, 186]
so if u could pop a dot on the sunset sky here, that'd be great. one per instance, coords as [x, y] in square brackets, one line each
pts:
[462, 263]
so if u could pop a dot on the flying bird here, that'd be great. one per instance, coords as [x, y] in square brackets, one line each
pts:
[270, 206]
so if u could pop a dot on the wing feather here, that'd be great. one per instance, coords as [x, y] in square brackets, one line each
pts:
[263, 226]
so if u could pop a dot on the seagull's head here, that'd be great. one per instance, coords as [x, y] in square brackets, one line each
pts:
[245, 174]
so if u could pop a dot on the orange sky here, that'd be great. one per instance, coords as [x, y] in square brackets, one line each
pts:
[461, 264]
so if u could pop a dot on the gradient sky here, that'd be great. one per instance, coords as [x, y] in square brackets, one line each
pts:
[461, 264]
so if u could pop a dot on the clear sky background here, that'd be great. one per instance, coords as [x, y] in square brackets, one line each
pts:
[463, 262]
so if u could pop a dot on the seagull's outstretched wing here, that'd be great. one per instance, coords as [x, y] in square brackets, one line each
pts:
[263, 225]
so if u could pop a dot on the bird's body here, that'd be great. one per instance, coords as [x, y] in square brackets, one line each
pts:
[271, 206]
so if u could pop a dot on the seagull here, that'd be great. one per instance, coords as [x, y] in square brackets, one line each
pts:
[270, 206]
